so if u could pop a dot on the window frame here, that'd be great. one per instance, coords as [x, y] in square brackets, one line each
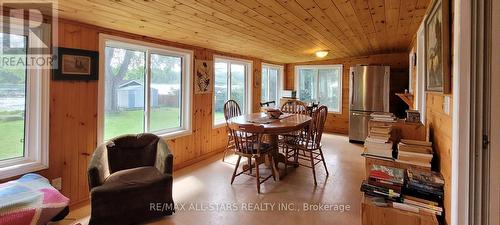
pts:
[36, 131]
[248, 85]
[330, 66]
[279, 82]
[149, 48]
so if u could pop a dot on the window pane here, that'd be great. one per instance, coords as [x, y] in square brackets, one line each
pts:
[238, 85]
[329, 88]
[12, 101]
[220, 90]
[165, 92]
[264, 91]
[307, 84]
[124, 95]
[273, 85]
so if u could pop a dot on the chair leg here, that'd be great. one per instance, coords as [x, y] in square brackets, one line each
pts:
[257, 174]
[224, 156]
[323, 159]
[227, 150]
[286, 160]
[313, 169]
[250, 165]
[235, 169]
[273, 166]
[296, 156]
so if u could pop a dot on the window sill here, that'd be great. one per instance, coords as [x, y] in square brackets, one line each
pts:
[334, 112]
[218, 125]
[20, 168]
[174, 134]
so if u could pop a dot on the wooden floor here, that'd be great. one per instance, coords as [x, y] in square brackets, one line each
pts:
[206, 185]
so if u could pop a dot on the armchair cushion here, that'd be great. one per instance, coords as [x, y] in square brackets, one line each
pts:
[133, 178]
[131, 151]
[126, 197]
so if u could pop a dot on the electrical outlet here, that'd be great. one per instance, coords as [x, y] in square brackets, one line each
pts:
[446, 105]
[57, 183]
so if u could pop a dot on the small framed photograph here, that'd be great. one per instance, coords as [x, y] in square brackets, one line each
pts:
[76, 64]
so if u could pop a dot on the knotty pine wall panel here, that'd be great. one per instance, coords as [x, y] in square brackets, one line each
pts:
[440, 127]
[339, 123]
[73, 114]
[439, 124]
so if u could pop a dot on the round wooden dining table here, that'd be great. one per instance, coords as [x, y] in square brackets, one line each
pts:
[287, 123]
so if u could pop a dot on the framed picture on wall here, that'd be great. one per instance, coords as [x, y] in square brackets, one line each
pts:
[76, 64]
[437, 48]
[203, 76]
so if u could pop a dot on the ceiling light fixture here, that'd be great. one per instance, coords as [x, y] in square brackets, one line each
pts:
[321, 53]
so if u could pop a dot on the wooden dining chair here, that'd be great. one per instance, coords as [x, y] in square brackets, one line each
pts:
[248, 141]
[294, 107]
[307, 147]
[268, 104]
[231, 109]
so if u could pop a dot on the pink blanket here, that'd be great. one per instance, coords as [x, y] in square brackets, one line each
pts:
[30, 200]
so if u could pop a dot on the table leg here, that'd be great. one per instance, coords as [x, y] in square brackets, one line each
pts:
[278, 157]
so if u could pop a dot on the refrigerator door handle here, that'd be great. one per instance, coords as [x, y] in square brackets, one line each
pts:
[359, 114]
[351, 89]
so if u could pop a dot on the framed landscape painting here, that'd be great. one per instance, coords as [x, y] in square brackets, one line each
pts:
[437, 48]
[76, 64]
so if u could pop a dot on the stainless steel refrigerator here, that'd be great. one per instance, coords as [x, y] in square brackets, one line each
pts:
[369, 90]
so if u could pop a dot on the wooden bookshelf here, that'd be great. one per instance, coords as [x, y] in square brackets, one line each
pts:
[403, 129]
[375, 215]
[391, 163]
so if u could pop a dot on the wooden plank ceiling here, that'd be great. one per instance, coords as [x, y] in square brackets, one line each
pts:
[283, 31]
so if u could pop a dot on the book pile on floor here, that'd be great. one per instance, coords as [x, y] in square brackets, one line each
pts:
[384, 181]
[383, 117]
[411, 190]
[415, 152]
[378, 143]
[423, 191]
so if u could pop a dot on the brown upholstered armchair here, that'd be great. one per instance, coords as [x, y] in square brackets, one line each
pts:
[126, 175]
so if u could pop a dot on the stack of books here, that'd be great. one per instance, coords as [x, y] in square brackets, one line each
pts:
[384, 181]
[422, 192]
[383, 117]
[378, 143]
[415, 152]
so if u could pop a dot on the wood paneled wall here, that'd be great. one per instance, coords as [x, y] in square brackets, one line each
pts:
[339, 123]
[439, 124]
[73, 114]
[440, 127]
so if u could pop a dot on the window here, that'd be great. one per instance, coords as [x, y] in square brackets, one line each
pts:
[146, 89]
[271, 83]
[232, 81]
[321, 84]
[23, 109]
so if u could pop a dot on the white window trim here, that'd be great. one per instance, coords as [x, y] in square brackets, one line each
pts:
[334, 66]
[280, 81]
[36, 140]
[187, 103]
[420, 97]
[248, 79]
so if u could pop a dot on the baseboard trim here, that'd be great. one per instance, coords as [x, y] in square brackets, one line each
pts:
[79, 204]
[197, 159]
